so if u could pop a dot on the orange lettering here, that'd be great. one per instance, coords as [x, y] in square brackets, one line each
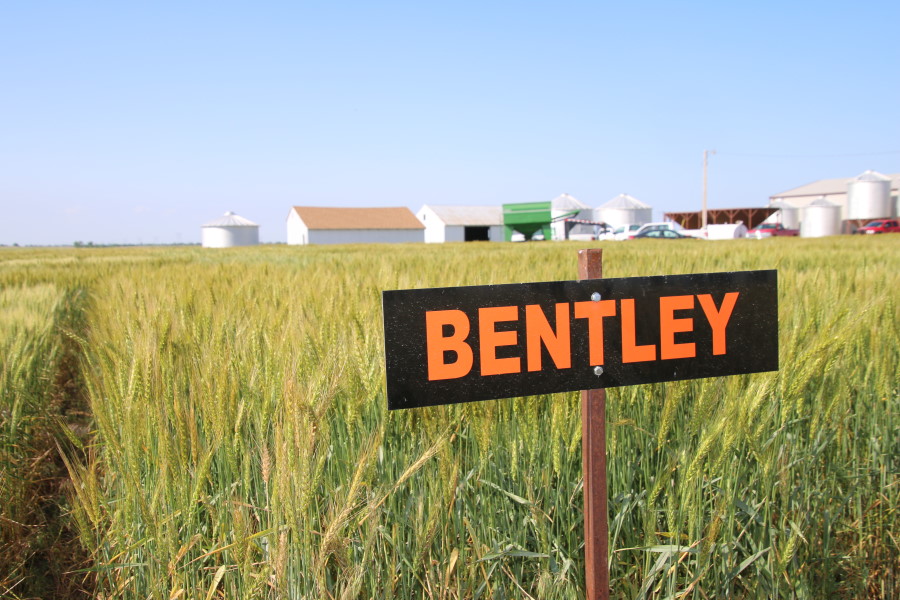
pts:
[669, 326]
[538, 330]
[594, 313]
[631, 352]
[718, 319]
[491, 339]
[437, 344]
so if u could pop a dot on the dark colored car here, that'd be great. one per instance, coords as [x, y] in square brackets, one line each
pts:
[662, 234]
[881, 226]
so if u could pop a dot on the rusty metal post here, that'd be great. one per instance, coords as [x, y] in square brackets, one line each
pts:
[593, 449]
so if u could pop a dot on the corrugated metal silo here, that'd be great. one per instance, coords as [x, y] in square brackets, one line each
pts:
[229, 230]
[820, 218]
[788, 214]
[624, 210]
[566, 206]
[869, 196]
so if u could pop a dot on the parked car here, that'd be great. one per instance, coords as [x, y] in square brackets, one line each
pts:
[663, 226]
[623, 232]
[662, 234]
[881, 226]
[764, 230]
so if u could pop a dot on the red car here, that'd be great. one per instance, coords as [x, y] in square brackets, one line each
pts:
[764, 230]
[882, 226]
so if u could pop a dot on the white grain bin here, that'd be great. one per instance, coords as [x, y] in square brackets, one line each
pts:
[820, 218]
[624, 210]
[565, 206]
[788, 214]
[229, 230]
[869, 196]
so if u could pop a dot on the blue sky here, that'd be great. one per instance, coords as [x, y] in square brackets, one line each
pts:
[136, 124]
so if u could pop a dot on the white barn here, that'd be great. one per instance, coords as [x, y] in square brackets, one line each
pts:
[461, 223]
[327, 225]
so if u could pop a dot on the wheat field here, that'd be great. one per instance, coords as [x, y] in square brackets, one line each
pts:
[223, 432]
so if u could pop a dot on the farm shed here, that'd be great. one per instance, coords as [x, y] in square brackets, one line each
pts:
[328, 225]
[751, 217]
[461, 223]
[837, 191]
[229, 230]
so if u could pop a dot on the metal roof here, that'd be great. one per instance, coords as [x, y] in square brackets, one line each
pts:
[468, 215]
[781, 204]
[828, 187]
[325, 217]
[871, 176]
[567, 202]
[231, 220]
[624, 201]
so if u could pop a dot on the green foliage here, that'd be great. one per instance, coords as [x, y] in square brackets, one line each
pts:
[243, 448]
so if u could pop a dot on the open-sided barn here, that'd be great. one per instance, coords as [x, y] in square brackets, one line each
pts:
[461, 223]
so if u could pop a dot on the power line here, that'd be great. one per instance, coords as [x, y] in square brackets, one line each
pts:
[742, 155]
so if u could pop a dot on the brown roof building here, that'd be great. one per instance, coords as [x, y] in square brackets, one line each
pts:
[343, 225]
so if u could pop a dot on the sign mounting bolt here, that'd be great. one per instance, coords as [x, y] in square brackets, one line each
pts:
[598, 371]
[596, 296]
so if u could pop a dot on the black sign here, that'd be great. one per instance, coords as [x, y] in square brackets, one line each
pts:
[449, 345]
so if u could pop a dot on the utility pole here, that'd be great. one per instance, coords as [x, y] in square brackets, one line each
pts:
[706, 154]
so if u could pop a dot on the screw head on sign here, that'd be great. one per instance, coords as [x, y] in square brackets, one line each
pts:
[596, 296]
[598, 371]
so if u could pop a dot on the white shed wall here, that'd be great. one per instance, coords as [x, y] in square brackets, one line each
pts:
[297, 232]
[454, 233]
[434, 226]
[366, 236]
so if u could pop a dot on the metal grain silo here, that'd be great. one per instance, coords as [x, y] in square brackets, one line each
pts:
[229, 230]
[563, 207]
[624, 210]
[820, 218]
[869, 196]
[788, 214]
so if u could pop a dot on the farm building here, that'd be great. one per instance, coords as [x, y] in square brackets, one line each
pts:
[858, 197]
[229, 230]
[751, 217]
[461, 223]
[327, 225]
